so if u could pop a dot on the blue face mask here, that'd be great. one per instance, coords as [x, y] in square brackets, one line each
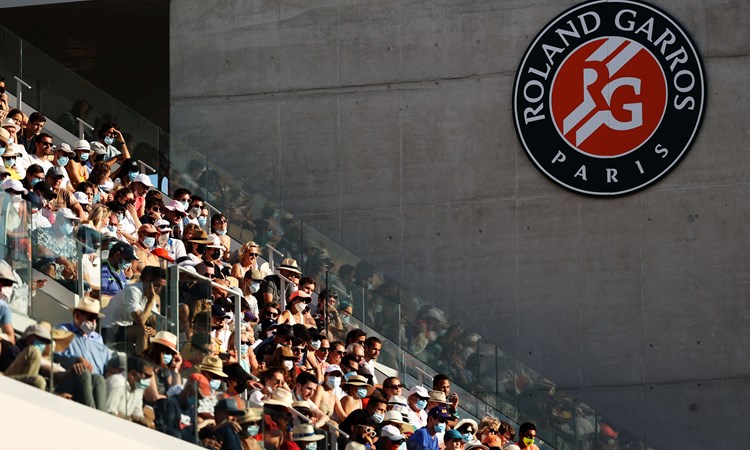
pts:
[62, 161]
[244, 348]
[10, 162]
[149, 241]
[127, 265]
[440, 428]
[377, 417]
[40, 345]
[34, 181]
[202, 221]
[132, 175]
[361, 392]
[186, 205]
[143, 384]
[421, 404]
[112, 228]
[253, 430]
[221, 232]
[97, 197]
[84, 157]
[468, 437]
[215, 384]
[109, 140]
[311, 446]
[348, 374]
[333, 382]
[166, 358]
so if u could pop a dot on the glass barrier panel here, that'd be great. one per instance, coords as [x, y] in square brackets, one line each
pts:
[10, 59]
[15, 249]
[62, 95]
[141, 137]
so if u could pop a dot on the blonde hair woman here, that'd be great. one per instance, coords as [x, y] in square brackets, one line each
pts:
[248, 259]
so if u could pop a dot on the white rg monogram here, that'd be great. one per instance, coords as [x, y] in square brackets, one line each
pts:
[595, 110]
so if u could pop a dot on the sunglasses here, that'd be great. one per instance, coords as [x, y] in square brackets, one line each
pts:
[245, 342]
[254, 255]
[297, 350]
[340, 352]
[325, 349]
[46, 144]
[395, 386]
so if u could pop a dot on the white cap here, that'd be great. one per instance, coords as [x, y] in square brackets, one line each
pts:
[8, 122]
[174, 205]
[63, 147]
[143, 178]
[419, 391]
[81, 197]
[15, 185]
[392, 433]
[68, 214]
[82, 145]
[98, 148]
[163, 225]
[215, 241]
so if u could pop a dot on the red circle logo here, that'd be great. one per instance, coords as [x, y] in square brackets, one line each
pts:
[608, 97]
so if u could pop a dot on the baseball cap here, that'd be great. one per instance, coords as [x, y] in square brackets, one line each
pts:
[231, 406]
[56, 172]
[439, 412]
[126, 249]
[14, 185]
[392, 433]
[419, 391]
[453, 434]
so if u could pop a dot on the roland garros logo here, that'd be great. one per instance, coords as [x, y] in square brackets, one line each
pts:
[609, 97]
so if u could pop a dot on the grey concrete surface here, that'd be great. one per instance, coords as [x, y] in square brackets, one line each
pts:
[388, 125]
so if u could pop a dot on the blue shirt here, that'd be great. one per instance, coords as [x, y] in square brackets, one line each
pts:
[90, 346]
[6, 315]
[421, 440]
[112, 280]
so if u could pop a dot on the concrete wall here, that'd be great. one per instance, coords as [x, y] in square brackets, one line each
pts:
[387, 124]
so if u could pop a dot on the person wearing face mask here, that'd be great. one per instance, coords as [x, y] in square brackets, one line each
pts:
[391, 439]
[14, 209]
[55, 251]
[325, 397]
[356, 389]
[304, 437]
[125, 385]
[130, 312]
[34, 175]
[251, 431]
[9, 155]
[22, 160]
[294, 313]
[174, 247]
[527, 435]
[140, 187]
[147, 235]
[110, 139]
[425, 437]
[62, 155]
[376, 408]
[212, 259]
[271, 287]
[65, 199]
[417, 401]
[24, 361]
[85, 358]
[120, 260]
[194, 210]
[162, 353]
[80, 165]
[246, 358]
[250, 285]
[219, 228]
[227, 429]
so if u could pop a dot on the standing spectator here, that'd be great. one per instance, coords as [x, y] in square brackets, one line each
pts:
[425, 437]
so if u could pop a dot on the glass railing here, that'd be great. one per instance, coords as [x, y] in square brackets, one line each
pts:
[419, 339]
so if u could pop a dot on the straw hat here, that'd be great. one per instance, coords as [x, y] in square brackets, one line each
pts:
[89, 305]
[437, 397]
[251, 415]
[166, 339]
[212, 364]
[289, 264]
[305, 432]
[281, 397]
[358, 381]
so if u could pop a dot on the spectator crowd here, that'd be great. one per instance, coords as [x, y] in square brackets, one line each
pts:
[291, 370]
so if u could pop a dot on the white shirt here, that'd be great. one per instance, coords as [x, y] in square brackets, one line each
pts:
[46, 165]
[122, 305]
[418, 419]
[122, 399]
[371, 367]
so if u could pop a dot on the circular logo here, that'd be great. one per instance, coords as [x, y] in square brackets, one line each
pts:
[609, 97]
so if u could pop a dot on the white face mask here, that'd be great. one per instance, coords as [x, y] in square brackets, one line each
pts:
[289, 365]
[254, 286]
[6, 292]
[87, 326]
[299, 306]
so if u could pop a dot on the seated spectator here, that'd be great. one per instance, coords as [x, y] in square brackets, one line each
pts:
[110, 137]
[130, 312]
[250, 284]
[390, 438]
[395, 419]
[162, 353]
[425, 437]
[417, 402]
[120, 260]
[271, 286]
[174, 215]
[153, 210]
[26, 359]
[294, 314]
[22, 160]
[392, 386]
[219, 228]
[7, 280]
[468, 429]
[140, 186]
[326, 398]
[372, 349]
[246, 358]
[32, 133]
[34, 175]
[400, 405]
[80, 166]
[100, 177]
[270, 380]
[527, 433]
[306, 387]
[454, 440]
[85, 358]
[487, 426]
[251, 433]
[125, 385]
[284, 358]
[10, 155]
[61, 159]
[65, 199]
[441, 383]
[356, 389]
[175, 247]
[129, 220]
[247, 260]
[56, 252]
[210, 264]
[305, 437]
[226, 429]
[147, 235]
[376, 408]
